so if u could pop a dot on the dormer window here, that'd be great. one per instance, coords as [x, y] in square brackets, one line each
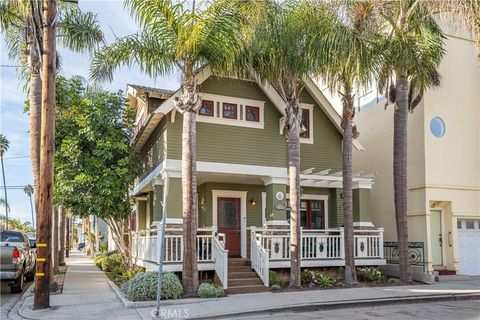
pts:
[206, 109]
[252, 114]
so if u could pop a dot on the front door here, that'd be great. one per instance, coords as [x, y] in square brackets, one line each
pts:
[229, 223]
[436, 237]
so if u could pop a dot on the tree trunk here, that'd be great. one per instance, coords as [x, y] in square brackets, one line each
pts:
[31, 209]
[350, 272]
[67, 236]
[188, 105]
[55, 248]
[294, 118]
[45, 206]
[61, 252]
[35, 113]
[400, 122]
[97, 235]
[5, 193]
[121, 245]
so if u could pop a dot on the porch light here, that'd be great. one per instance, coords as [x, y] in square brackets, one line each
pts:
[253, 203]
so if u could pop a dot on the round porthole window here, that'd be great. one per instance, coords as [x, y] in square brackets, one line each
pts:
[437, 127]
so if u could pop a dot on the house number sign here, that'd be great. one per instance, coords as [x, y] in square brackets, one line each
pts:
[279, 196]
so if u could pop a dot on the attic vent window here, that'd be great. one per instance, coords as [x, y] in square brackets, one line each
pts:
[229, 111]
[252, 114]
[437, 127]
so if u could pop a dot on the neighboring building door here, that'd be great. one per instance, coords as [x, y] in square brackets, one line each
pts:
[436, 237]
[229, 223]
[468, 247]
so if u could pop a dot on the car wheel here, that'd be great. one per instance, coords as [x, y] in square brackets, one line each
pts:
[31, 276]
[18, 286]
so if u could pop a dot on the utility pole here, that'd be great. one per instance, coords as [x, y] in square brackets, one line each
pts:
[43, 269]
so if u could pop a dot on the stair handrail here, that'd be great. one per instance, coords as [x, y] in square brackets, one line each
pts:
[220, 257]
[259, 257]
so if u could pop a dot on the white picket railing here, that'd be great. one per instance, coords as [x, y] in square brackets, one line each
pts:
[322, 244]
[220, 258]
[259, 257]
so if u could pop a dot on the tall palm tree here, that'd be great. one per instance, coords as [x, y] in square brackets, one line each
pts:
[4, 145]
[354, 68]
[21, 24]
[177, 37]
[28, 189]
[412, 49]
[288, 44]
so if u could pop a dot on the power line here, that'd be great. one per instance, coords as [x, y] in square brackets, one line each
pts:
[19, 157]
[8, 66]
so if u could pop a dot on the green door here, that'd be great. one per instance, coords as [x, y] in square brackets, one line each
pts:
[436, 237]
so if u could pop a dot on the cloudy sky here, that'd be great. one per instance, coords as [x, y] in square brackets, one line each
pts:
[115, 21]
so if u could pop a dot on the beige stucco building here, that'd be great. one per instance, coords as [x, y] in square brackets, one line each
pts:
[443, 163]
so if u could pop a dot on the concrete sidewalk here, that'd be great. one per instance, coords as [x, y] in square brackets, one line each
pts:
[248, 304]
[86, 295]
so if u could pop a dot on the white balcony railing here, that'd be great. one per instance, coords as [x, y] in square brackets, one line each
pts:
[220, 258]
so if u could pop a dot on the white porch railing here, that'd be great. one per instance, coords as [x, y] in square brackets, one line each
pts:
[220, 258]
[327, 244]
[259, 257]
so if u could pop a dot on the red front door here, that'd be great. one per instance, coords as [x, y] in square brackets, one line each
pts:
[229, 223]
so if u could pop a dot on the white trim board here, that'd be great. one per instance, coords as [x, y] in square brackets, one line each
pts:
[243, 214]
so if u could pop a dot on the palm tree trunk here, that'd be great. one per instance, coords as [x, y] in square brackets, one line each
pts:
[350, 272]
[35, 110]
[45, 205]
[31, 209]
[55, 239]
[400, 140]
[5, 193]
[294, 118]
[61, 251]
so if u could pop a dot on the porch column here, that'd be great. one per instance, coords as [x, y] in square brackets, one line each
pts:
[362, 211]
[141, 213]
[157, 202]
[276, 202]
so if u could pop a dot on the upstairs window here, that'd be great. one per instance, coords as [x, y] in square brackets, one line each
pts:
[229, 111]
[207, 108]
[305, 130]
[252, 113]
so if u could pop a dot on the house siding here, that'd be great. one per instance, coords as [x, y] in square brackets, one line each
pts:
[153, 152]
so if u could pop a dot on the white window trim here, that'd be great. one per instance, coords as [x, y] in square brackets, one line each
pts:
[317, 197]
[264, 207]
[241, 103]
[243, 214]
[310, 108]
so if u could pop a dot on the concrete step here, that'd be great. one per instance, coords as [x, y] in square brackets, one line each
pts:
[244, 282]
[242, 275]
[247, 289]
[455, 277]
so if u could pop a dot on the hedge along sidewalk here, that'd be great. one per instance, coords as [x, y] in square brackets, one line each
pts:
[86, 295]
[242, 304]
[152, 303]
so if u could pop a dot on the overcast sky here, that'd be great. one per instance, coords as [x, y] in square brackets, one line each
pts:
[115, 21]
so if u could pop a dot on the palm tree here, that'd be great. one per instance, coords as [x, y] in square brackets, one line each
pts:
[412, 49]
[354, 68]
[28, 189]
[21, 24]
[4, 145]
[176, 37]
[285, 47]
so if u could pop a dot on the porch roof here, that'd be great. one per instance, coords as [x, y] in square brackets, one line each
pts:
[327, 179]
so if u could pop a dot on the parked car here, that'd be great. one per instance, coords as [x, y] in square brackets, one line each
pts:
[17, 259]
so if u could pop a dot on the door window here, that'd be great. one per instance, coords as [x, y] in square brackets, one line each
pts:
[228, 213]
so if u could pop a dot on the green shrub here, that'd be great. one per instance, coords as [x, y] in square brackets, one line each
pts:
[143, 286]
[111, 262]
[311, 278]
[98, 260]
[104, 247]
[369, 274]
[208, 290]
[277, 279]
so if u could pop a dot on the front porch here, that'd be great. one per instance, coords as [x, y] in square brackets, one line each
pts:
[268, 248]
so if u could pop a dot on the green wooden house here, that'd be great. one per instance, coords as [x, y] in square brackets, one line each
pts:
[243, 205]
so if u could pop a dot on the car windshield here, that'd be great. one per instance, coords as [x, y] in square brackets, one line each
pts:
[8, 236]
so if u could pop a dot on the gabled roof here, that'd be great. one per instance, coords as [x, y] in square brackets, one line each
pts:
[267, 88]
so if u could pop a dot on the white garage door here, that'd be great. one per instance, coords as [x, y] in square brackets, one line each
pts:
[469, 247]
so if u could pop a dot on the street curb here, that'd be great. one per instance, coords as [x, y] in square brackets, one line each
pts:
[348, 304]
[14, 313]
[145, 304]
